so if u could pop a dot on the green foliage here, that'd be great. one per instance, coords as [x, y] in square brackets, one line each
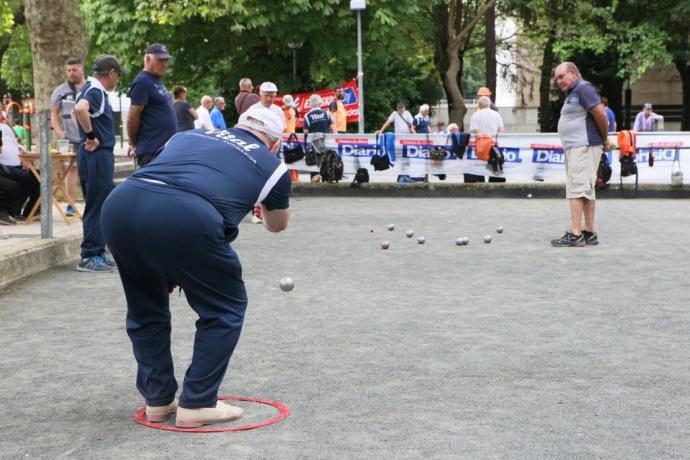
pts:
[17, 68]
[6, 16]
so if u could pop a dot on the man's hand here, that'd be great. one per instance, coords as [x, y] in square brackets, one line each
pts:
[91, 144]
[131, 151]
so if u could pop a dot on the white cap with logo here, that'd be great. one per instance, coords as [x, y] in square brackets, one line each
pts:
[268, 86]
[262, 119]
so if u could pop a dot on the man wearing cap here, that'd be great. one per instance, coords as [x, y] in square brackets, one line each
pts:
[151, 121]
[484, 91]
[246, 98]
[61, 108]
[646, 120]
[217, 119]
[267, 92]
[171, 224]
[95, 158]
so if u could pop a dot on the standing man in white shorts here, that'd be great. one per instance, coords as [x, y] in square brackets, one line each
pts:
[583, 129]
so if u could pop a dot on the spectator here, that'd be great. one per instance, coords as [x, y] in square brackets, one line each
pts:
[452, 129]
[267, 92]
[583, 129]
[246, 97]
[16, 171]
[485, 123]
[441, 127]
[184, 112]
[290, 113]
[646, 120]
[484, 91]
[338, 112]
[217, 119]
[317, 120]
[95, 158]
[190, 224]
[401, 119]
[203, 115]
[152, 121]
[65, 127]
[421, 120]
[609, 114]
[10, 197]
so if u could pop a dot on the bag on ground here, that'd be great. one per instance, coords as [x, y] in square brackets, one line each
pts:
[331, 167]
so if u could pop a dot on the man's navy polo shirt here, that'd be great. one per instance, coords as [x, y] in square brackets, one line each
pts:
[100, 111]
[317, 121]
[158, 121]
[230, 168]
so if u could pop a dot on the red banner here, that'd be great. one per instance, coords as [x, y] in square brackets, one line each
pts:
[350, 101]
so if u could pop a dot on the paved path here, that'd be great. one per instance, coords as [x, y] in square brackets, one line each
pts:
[507, 350]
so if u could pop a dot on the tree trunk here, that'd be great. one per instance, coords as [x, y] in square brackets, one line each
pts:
[456, 101]
[684, 71]
[57, 33]
[546, 113]
[490, 51]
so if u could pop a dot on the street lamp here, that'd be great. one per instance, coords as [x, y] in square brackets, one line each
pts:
[359, 6]
[294, 46]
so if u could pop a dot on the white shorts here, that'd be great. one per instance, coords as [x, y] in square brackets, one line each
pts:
[581, 165]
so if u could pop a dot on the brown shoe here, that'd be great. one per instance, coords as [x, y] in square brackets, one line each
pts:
[160, 414]
[193, 418]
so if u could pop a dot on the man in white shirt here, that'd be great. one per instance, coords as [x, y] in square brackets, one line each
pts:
[204, 115]
[402, 120]
[14, 170]
[485, 122]
[267, 92]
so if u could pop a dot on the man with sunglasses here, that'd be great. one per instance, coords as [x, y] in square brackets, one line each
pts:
[95, 158]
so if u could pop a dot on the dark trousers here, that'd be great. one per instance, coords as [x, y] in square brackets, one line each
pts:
[96, 172]
[145, 158]
[11, 196]
[30, 189]
[473, 178]
[159, 236]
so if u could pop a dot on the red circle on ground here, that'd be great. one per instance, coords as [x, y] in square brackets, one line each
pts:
[283, 413]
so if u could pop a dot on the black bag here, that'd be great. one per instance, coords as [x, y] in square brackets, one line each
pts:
[315, 150]
[361, 177]
[436, 153]
[628, 166]
[603, 172]
[331, 167]
[379, 160]
[496, 160]
[292, 150]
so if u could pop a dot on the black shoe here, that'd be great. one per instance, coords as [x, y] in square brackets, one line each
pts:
[569, 240]
[6, 218]
[591, 238]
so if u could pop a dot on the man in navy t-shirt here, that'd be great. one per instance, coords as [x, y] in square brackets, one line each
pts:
[317, 120]
[95, 159]
[151, 120]
[171, 223]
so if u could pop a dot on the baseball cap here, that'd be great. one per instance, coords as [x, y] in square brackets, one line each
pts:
[484, 91]
[107, 62]
[262, 119]
[267, 86]
[159, 50]
[647, 105]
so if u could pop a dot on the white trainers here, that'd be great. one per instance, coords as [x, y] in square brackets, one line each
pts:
[193, 418]
[160, 414]
[256, 220]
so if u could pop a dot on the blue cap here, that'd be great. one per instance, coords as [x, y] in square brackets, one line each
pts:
[159, 50]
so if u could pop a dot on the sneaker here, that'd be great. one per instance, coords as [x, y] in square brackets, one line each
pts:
[569, 239]
[70, 212]
[6, 219]
[591, 238]
[94, 264]
[256, 220]
[108, 260]
[160, 414]
[193, 418]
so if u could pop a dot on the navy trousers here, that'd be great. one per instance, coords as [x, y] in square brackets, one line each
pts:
[160, 236]
[96, 171]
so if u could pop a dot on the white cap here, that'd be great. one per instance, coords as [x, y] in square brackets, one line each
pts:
[267, 86]
[262, 119]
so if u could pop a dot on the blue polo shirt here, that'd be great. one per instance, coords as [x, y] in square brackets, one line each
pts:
[158, 121]
[232, 169]
[576, 126]
[217, 118]
[318, 121]
[421, 124]
[100, 111]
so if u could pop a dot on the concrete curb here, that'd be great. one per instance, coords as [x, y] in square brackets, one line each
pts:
[35, 255]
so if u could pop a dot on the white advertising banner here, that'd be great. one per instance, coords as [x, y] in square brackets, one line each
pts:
[528, 157]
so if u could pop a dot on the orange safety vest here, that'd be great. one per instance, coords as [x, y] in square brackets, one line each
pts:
[290, 119]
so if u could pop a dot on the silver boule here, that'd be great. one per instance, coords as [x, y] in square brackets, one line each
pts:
[385, 244]
[421, 240]
[459, 241]
[391, 227]
[487, 239]
[287, 284]
[499, 229]
[409, 233]
[465, 241]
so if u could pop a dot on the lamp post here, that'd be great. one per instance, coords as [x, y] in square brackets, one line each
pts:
[359, 6]
[294, 46]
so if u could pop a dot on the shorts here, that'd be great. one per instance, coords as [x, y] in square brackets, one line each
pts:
[581, 165]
